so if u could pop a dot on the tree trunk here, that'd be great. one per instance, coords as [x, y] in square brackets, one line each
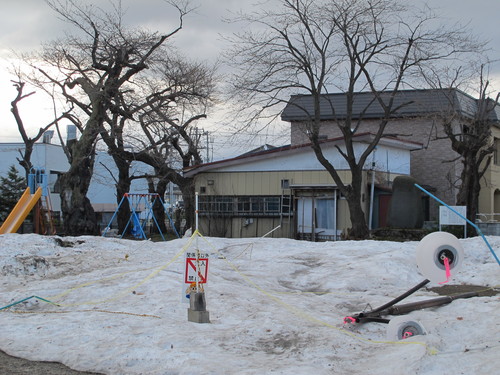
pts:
[468, 194]
[186, 185]
[158, 208]
[122, 187]
[188, 195]
[359, 228]
[26, 160]
[78, 214]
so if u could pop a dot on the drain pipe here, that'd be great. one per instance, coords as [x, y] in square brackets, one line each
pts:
[372, 191]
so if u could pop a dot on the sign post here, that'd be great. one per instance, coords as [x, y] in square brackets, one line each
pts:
[195, 276]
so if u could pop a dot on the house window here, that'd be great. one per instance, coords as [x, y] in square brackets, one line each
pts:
[496, 154]
[465, 132]
[54, 182]
[243, 204]
[272, 204]
[240, 205]
[218, 204]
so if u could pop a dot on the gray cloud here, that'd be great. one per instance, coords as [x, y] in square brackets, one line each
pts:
[26, 24]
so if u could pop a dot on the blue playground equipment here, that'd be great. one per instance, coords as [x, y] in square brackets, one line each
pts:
[43, 213]
[38, 178]
[137, 201]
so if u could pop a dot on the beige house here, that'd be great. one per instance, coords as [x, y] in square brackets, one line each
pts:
[285, 191]
[489, 198]
[418, 118]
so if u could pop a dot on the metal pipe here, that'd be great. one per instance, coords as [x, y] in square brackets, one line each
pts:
[402, 296]
[408, 307]
[467, 220]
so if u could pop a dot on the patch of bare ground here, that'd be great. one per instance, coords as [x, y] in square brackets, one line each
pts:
[20, 366]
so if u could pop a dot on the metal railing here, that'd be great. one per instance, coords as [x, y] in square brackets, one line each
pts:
[488, 218]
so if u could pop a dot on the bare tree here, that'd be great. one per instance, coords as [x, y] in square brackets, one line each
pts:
[92, 71]
[314, 47]
[29, 142]
[178, 97]
[472, 139]
[166, 103]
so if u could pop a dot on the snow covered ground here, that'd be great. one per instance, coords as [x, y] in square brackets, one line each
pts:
[276, 307]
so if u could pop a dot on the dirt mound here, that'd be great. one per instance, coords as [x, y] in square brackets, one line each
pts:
[19, 366]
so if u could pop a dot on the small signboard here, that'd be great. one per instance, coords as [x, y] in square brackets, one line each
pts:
[196, 267]
[195, 271]
[448, 217]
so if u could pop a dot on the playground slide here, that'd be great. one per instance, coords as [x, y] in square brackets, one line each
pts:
[20, 211]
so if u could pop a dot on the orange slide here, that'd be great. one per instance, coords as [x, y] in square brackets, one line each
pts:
[20, 211]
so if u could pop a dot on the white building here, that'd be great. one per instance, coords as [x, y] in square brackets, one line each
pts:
[286, 192]
[46, 156]
[51, 158]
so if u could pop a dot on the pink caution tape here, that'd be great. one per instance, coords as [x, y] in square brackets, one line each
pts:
[349, 319]
[447, 269]
[407, 334]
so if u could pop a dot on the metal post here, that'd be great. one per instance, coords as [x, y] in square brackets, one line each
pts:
[196, 212]
[208, 149]
[335, 214]
[197, 247]
[372, 192]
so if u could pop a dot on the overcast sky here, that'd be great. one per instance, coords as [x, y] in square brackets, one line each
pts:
[25, 24]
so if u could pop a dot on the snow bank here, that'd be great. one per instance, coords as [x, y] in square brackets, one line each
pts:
[276, 306]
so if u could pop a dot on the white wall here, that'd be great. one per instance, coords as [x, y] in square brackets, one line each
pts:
[47, 156]
[387, 159]
[51, 157]
[103, 185]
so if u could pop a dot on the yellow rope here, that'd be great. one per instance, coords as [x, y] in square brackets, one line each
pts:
[87, 310]
[292, 309]
[126, 291]
[312, 319]
[320, 293]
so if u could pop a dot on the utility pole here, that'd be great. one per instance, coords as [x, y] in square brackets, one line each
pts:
[208, 148]
[199, 133]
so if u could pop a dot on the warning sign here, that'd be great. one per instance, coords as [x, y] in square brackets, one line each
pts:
[196, 270]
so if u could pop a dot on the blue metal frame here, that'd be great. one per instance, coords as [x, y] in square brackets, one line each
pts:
[135, 217]
[467, 220]
[37, 177]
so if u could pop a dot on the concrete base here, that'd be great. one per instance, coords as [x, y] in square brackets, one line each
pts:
[197, 311]
[198, 316]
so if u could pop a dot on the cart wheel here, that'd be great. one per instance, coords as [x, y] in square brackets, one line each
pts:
[432, 251]
[402, 328]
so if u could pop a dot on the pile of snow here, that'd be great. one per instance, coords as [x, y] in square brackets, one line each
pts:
[276, 306]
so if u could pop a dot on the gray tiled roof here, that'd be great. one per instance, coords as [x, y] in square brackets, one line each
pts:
[409, 103]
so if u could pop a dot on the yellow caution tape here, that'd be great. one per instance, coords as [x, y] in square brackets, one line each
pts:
[126, 291]
[312, 319]
[87, 310]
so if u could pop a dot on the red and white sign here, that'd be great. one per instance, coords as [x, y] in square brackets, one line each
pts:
[196, 270]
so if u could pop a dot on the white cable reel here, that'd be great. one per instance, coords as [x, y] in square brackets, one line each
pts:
[434, 251]
[401, 328]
